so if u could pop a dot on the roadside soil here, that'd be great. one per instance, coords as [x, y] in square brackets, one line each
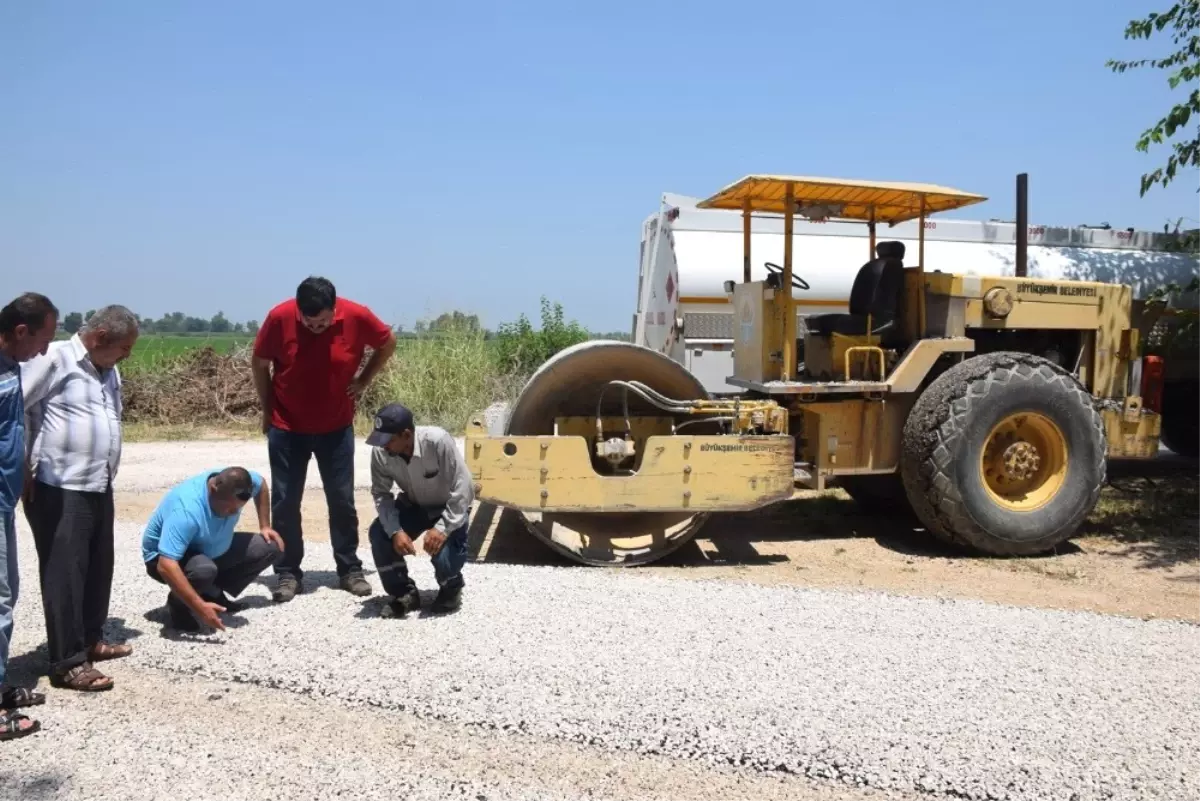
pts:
[1138, 555]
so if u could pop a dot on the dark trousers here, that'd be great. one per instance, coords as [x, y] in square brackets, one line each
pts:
[289, 454]
[73, 535]
[393, 571]
[231, 572]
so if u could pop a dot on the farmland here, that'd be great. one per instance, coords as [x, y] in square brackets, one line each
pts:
[153, 348]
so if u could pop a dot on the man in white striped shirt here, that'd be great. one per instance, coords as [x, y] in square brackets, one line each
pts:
[73, 407]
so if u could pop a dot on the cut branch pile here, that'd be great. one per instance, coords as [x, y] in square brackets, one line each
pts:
[200, 386]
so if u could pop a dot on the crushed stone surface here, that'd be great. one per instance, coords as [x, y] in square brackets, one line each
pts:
[902, 696]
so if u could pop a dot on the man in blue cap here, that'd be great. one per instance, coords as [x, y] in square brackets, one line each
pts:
[434, 502]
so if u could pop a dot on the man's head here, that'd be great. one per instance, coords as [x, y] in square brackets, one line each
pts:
[315, 298]
[27, 326]
[394, 430]
[109, 336]
[229, 490]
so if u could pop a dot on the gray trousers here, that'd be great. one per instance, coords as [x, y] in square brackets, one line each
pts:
[248, 556]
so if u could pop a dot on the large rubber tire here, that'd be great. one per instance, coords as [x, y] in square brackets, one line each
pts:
[1181, 418]
[943, 443]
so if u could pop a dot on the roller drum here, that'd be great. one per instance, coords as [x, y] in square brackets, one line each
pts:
[570, 384]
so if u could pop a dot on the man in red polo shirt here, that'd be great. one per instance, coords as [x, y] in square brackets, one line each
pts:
[306, 359]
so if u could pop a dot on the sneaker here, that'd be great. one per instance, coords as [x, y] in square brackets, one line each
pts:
[286, 589]
[449, 599]
[355, 584]
[402, 606]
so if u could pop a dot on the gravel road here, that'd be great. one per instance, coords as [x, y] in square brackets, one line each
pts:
[806, 690]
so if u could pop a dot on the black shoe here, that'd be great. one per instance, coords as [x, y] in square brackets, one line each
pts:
[402, 606]
[182, 618]
[286, 589]
[355, 584]
[449, 599]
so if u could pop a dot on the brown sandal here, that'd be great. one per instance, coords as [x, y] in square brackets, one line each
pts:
[102, 652]
[83, 678]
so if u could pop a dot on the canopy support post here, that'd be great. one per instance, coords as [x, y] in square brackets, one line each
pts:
[746, 241]
[788, 305]
[921, 269]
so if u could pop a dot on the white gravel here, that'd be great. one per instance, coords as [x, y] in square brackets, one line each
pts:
[942, 699]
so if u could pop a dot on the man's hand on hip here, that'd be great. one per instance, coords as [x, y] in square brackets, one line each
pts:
[434, 540]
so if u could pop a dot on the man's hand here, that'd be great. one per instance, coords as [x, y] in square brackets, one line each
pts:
[272, 536]
[357, 387]
[402, 544]
[266, 423]
[434, 540]
[208, 615]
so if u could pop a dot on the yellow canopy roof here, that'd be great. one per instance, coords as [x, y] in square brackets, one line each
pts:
[838, 198]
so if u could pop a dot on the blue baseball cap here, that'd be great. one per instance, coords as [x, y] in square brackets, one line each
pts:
[393, 419]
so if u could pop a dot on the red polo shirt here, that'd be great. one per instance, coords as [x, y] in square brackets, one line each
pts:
[312, 371]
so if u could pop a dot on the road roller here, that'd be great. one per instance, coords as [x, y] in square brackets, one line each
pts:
[985, 407]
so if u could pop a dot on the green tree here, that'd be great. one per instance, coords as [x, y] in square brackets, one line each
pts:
[219, 324]
[1183, 21]
[252, 327]
[520, 348]
[73, 322]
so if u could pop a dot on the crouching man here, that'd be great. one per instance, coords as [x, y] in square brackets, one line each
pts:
[191, 546]
[434, 502]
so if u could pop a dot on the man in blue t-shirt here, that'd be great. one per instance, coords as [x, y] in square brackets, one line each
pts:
[191, 546]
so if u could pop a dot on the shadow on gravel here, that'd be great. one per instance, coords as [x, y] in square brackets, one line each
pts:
[36, 788]
[25, 669]
[373, 607]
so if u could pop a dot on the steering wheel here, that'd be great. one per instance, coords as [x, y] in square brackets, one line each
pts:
[797, 281]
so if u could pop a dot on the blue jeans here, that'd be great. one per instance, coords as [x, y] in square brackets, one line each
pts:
[447, 564]
[9, 584]
[289, 453]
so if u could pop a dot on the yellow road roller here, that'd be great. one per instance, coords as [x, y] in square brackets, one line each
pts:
[987, 406]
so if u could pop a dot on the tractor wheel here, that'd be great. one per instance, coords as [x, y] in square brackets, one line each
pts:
[1004, 454]
[1181, 418]
[879, 494]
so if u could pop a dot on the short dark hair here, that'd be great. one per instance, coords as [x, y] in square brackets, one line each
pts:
[315, 295]
[30, 309]
[233, 482]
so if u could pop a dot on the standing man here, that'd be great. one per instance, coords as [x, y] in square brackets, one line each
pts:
[190, 545]
[73, 404]
[435, 502]
[27, 325]
[306, 359]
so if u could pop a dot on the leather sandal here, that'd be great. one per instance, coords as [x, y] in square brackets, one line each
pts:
[83, 678]
[17, 697]
[11, 728]
[102, 652]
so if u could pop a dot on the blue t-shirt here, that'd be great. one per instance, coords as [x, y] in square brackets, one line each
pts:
[12, 434]
[185, 520]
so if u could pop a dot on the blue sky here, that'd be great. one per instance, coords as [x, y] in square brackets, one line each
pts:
[427, 157]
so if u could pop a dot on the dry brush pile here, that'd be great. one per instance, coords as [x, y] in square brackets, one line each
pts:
[444, 380]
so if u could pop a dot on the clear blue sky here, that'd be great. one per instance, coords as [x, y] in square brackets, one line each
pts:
[425, 157]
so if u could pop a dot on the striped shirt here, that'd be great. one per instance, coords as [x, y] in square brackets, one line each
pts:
[73, 415]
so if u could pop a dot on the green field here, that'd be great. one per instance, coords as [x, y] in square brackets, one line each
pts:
[151, 348]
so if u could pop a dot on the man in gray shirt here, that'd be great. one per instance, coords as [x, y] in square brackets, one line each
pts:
[434, 501]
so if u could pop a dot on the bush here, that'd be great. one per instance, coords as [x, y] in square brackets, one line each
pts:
[521, 350]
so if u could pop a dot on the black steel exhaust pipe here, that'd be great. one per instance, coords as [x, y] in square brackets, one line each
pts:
[1022, 225]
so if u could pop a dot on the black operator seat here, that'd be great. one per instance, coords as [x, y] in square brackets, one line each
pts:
[878, 291]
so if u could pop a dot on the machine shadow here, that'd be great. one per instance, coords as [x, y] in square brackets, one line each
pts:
[499, 537]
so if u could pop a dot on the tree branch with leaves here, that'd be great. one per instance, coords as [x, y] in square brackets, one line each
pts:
[1182, 20]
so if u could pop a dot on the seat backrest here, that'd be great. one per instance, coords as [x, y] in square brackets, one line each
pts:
[879, 285]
